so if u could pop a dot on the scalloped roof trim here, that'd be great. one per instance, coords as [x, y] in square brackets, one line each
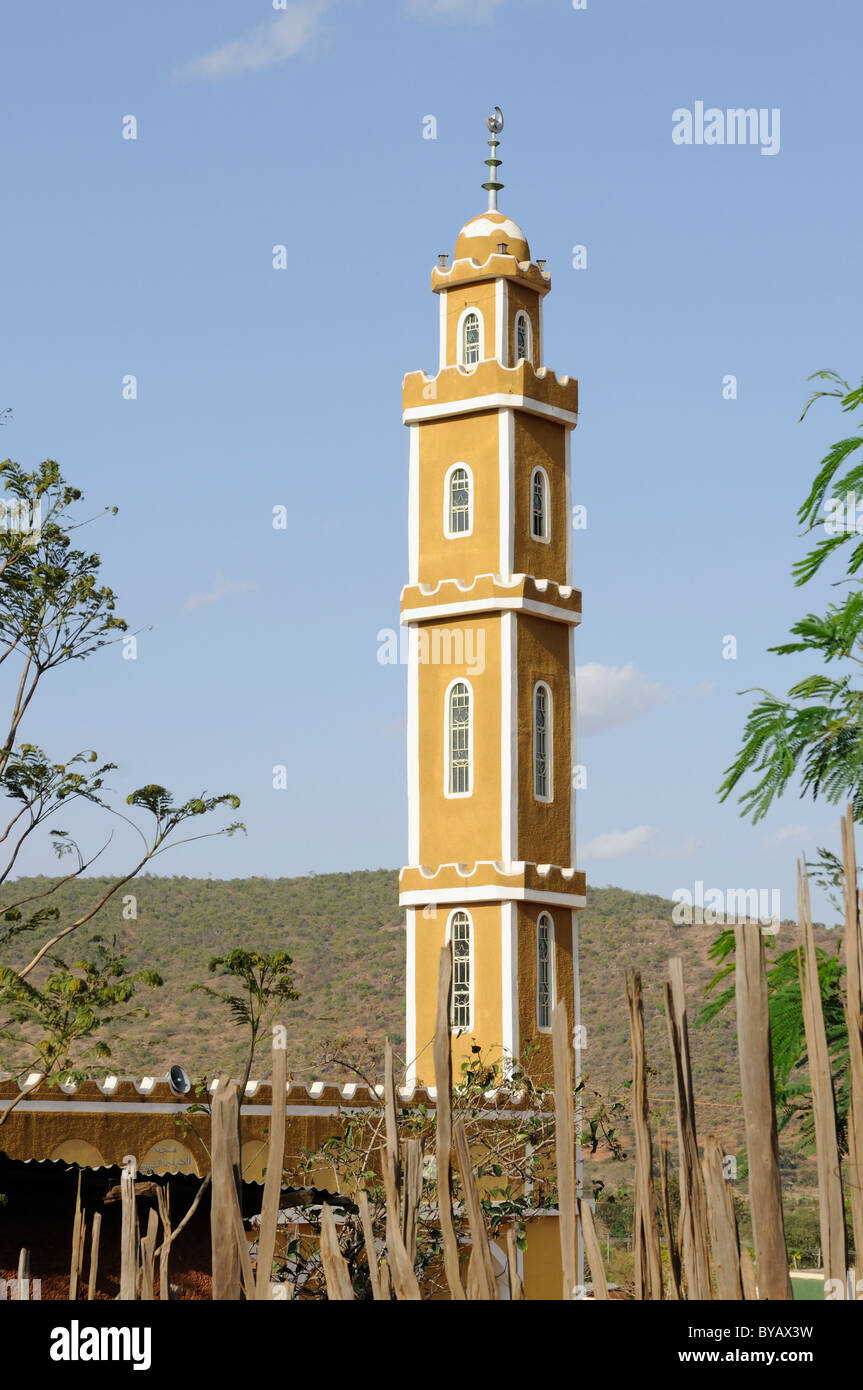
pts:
[514, 870]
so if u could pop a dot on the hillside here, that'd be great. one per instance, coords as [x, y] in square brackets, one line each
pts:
[346, 935]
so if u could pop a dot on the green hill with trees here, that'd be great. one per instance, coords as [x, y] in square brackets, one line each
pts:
[345, 933]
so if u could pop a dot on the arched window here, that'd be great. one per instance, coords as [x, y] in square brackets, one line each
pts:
[543, 730]
[461, 945]
[470, 339]
[459, 741]
[458, 519]
[544, 971]
[523, 337]
[539, 505]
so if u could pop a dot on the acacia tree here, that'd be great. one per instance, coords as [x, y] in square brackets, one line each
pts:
[815, 731]
[55, 611]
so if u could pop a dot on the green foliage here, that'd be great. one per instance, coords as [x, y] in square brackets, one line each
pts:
[788, 1034]
[54, 609]
[72, 1006]
[815, 732]
[265, 982]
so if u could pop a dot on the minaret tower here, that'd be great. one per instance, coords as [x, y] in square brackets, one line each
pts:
[491, 693]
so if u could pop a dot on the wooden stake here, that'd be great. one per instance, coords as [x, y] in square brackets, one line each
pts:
[693, 1203]
[516, 1290]
[759, 1113]
[76, 1244]
[148, 1253]
[723, 1222]
[128, 1235]
[564, 1139]
[747, 1276]
[648, 1260]
[443, 1139]
[371, 1251]
[592, 1251]
[834, 1255]
[335, 1265]
[273, 1180]
[674, 1284]
[22, 1292]
[401, 1270]
[94, 1255]
[481, 1281]
[413, 1183]
[163, 1197]
[854, 1026]
[225, 1170]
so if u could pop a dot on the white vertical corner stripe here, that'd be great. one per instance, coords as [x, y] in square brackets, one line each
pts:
[442, 298]
[509, 978]
[573, 744]
[413, 748]
[568, 477]
[508, 737]
[411, 992]
[414, 506]
[500, 317]
[506, 456]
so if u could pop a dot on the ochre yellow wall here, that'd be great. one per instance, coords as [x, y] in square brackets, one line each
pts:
[540, 442]
[543, 826]
[464, 828]
[521, 297]
[541, 1063]
[479, 296]
[543, 1270]
[470, 439]
[430, 937]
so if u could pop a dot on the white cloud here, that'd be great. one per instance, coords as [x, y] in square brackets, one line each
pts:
[783, 834]
[271, 43]
[609, 696]
[474, 10]
[684, 851]
[221, 589]
[616, 844]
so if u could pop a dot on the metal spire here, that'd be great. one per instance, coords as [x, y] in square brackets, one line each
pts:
[495, 125]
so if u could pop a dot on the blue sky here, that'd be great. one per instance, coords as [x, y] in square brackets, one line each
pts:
[258, 387]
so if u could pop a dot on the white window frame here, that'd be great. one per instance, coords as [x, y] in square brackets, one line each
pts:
[539, 471]
[523, 316]
[447, 514]
[460, 355]
[461, 1027]
[447, 746]
[549, 740]
[545, 917]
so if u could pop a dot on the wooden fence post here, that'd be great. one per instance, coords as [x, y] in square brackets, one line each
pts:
[693, 1203]
[94, 1255]
[674, 1285]
[648, 1260]
[148, 1253]
[759, 1113]
[723, 1223]
[225, 1169]
[854, 1025]
[335, 1265]
[564, 1139]
[273, 1180]
[831, 1206]
[443, 1132]
[128, 1233]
